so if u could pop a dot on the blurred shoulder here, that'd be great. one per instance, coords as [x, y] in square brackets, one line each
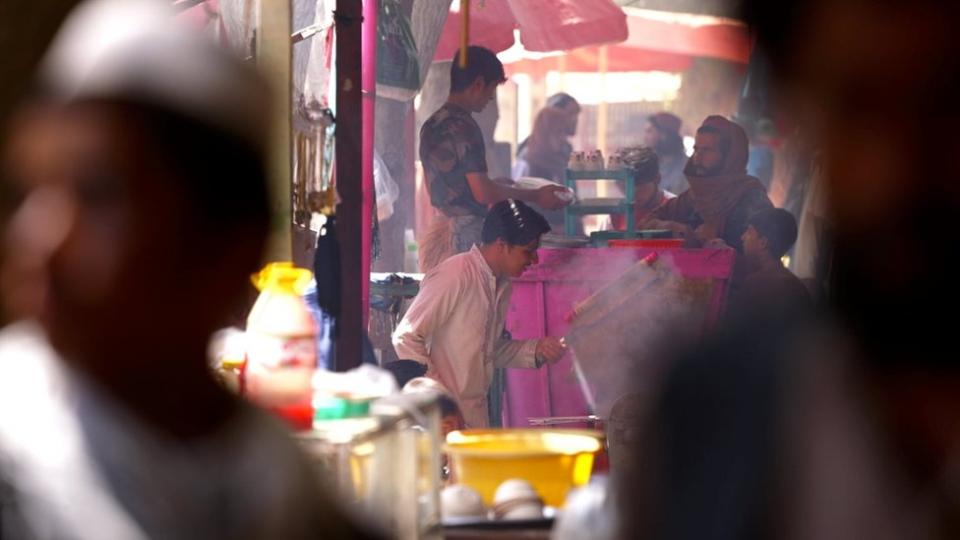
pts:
[289, 490]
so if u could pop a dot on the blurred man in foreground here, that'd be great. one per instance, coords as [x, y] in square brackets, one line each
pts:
[846, 425]
[142, 208]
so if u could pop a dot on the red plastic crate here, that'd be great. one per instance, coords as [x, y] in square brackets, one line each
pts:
[649, 243]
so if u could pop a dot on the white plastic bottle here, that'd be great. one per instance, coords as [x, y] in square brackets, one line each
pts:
[282, 345]
[411, 252]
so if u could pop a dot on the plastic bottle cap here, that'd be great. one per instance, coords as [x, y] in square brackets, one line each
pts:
[282, 277]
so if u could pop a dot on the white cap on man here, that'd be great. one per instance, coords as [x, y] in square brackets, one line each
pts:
[137, 50]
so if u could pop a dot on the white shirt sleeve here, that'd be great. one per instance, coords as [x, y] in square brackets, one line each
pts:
[511, 353]
[431, 308]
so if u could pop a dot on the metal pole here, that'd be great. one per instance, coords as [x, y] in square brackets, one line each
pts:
[350, 224]
[369, 100]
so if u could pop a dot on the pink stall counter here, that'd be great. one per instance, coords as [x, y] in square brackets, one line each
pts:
[545, 295]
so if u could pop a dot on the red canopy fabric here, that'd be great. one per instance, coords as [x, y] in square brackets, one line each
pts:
[545, 25]
[693, 35]
[200, 15]
[658, 41]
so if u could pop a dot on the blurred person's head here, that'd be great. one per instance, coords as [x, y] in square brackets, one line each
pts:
[424, 384]
[511, 236]
[765, 131]
[405, 371]
[549, 135]
[451, 419]
[571, 108]
[645, 165]
[142, 203]
[876, 84]
[720, 148]
[662, 133]
[770, 234]
[475, 86]
[564, 101]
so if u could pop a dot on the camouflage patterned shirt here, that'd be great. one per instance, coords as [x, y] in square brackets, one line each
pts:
[451, 145]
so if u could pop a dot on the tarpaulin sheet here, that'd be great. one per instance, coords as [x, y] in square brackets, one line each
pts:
[544, 25]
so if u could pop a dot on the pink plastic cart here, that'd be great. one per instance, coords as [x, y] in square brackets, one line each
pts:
[544, 295]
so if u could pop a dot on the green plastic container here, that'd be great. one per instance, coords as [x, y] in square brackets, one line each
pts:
[336, 408]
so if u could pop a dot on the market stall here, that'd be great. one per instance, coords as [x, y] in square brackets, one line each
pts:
[384, 447]
[546, 295]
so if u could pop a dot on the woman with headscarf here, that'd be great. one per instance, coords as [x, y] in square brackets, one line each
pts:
[567, 104]
[547, 151]
[722, 196]
[546, 154]
[662, 133]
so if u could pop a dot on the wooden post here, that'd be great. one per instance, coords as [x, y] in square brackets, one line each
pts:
[464, 32]
[274, 57]
[562, 70]
[350, 224]
[602, 113]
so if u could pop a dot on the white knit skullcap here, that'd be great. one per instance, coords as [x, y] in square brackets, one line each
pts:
[136, 50]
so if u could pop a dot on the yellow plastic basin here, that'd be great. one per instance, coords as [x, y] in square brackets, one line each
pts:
[553, 460]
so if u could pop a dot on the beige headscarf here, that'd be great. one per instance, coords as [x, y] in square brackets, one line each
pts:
[715, 197]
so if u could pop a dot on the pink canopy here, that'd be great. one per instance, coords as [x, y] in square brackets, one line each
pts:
[545, 25]
[197, 14]
[658, 41]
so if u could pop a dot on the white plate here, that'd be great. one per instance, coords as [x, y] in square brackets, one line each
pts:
[533, 182]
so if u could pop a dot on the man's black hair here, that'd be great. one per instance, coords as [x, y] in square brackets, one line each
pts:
[448, 406]
[562, 100]
[642, 161]
[513, 222]
[405, 371]
[778, 226]
[671, 142]
[481, 62]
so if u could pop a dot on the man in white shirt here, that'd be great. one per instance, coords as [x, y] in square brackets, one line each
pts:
[456, 323]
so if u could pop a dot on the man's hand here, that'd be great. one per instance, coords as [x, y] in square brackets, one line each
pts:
[679, 230]
[553, 197]
[550, 350]
[704, 233]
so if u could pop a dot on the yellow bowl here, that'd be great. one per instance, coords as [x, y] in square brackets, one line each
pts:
[553, 460]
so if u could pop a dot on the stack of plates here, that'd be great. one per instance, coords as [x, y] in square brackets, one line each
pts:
[612, 202]
[563, 241]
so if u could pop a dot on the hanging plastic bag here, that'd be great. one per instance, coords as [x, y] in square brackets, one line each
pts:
[317, 87]
[397, 61]
[386, 188]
